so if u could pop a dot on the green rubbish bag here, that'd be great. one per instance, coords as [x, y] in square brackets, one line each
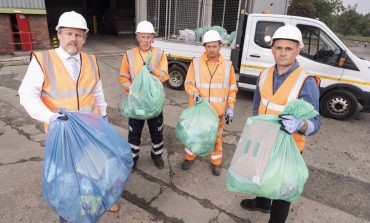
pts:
[267, 162]
[231, 37]
[221, 30]
[146, 97]
[200, 31]
[197, 128]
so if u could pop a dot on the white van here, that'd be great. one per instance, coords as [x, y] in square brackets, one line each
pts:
[345, 78]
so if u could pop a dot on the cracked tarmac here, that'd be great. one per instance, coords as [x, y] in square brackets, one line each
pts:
[338, 189]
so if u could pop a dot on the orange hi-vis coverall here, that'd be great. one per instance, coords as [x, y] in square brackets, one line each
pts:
[132, 63]
[134, 60]
[273, 104]
[215, 82]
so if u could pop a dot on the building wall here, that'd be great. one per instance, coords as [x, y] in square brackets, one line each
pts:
[38, 26]
[29, 4]
[40, 38]
[5, 28]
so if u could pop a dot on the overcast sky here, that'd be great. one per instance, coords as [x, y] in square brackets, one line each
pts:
[363, 6]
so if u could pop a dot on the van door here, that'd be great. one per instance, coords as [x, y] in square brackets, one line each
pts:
[257, 53]
[320, 54]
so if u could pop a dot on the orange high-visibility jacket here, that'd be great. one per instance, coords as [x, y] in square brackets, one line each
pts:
[214, 81]
[60, 91]
[134, 60]
[274, 104]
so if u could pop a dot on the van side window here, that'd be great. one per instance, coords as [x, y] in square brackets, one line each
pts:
[319, 46]
[263, 29]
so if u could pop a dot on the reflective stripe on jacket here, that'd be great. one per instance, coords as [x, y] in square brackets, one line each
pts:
[220, 89]
[60, 91]
[274, 103]
[133, 61]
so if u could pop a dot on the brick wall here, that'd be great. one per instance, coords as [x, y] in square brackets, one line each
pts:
[39, 25]
[5, 28]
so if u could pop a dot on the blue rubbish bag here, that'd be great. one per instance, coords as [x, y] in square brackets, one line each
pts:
[87, 164]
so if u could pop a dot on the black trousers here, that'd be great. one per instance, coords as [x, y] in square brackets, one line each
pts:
[156, 133]
[279, 209]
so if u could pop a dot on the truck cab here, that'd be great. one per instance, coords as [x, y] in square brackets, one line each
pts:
[345, 78]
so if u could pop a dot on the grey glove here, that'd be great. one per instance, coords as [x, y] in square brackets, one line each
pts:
[150, 67]
[196, 97]
[229, 115]
[290, 124]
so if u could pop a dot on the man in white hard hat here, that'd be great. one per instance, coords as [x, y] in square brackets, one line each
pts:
[217, 85]
[132, 62]
[67, 68]
[276, 86]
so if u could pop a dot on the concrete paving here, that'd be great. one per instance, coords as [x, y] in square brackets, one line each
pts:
[338, 189]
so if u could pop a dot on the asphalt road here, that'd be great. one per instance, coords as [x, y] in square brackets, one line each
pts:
[338, 158]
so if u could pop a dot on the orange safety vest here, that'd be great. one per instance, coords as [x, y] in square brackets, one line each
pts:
[214, 89]
[60, 91]
[136, 63]
[273, 104]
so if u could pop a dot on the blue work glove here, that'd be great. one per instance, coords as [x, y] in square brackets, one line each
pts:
[150, 67]
[229, 115]
[290, 124]
[196, 97]
[56, 116]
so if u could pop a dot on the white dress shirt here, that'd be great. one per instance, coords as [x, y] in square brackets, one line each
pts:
[31, 87]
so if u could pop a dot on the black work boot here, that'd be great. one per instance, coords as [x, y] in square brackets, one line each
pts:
[257, 204]
[216, 170]
[187, 164]
[158, 162]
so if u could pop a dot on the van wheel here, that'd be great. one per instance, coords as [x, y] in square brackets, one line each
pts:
[338, 104]
[176, 77]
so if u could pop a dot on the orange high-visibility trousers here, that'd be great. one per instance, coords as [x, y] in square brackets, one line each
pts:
[216, 154]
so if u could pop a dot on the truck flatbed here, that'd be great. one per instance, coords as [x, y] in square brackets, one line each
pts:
[184, 50]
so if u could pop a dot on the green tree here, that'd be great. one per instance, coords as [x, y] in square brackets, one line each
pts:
[364, 25]
[328, 10]
[332, 12]
[325, 10]
[349, 21]
[305, 8]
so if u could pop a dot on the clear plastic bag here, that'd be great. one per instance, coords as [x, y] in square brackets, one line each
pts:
[197, 128]
[87, 164]
[278, 172]
[187, 34]
[254, 149]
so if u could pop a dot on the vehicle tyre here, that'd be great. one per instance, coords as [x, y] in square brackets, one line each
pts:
[338, 104]
[176, 77]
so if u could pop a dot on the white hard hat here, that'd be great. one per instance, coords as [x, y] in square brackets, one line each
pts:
[289, 32]
[211, 36]
[72, 19]
[145, 27]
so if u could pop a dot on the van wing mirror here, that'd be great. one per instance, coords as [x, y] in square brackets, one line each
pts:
[342, 58]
